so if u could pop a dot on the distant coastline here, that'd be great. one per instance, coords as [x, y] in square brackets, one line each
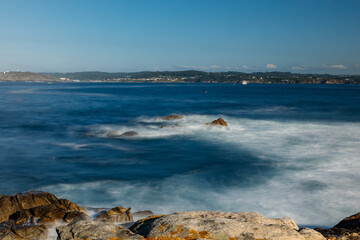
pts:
[183, 77]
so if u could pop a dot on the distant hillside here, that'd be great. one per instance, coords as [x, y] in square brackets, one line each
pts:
[26, 76]
[213, 77]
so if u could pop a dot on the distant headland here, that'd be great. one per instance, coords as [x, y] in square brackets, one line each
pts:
[190, 76]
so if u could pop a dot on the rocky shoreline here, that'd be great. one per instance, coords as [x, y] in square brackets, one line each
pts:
[40, 215]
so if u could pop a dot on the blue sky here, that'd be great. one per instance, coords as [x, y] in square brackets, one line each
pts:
[210, 35]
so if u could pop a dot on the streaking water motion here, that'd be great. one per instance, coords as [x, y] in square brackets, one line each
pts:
[288, 151]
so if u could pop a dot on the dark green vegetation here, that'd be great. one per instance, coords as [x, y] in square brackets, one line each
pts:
[220, 77]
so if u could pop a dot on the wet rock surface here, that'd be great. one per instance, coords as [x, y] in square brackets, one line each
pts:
[221, 226]
[129, 134]
[38, 232]
[218, 122]
[94, 230]
[172, 117]
[35, 215]
[117, 214]
[27, 215]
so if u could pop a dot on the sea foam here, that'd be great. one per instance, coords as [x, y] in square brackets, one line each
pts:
[316, 162]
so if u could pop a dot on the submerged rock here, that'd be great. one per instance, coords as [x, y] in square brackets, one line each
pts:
[172, 117]
[221, 226]
[94, 230]
[117, 214]
[129, 134]
[117, 134]
[217, 122]
[346, 229]
[172, 126]
[113, 133]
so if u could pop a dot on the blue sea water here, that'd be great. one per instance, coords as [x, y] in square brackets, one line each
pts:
[290, 150]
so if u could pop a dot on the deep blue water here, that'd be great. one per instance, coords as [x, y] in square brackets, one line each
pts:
[290, 150]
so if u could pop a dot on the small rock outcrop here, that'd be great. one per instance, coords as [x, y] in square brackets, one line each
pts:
[218, 122]
[117, 134]
[94, 230]
[346, 229]
[221, 226]
[116, 215]
[129, 134]
[172, 117]
[143, 214]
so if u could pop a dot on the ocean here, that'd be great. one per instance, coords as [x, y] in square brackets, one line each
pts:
[289, 150]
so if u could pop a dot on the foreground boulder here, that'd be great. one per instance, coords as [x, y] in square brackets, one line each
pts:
[26, 232]
[347, 229]
[221, 226]
[172, 117]
[217, 122]
[47, 214]
[94, 230]
[13, 203]
[117, 214]
[27, 215]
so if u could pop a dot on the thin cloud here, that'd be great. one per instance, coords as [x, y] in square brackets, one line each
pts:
[271, 66]
[338, 66]
[210, 67]
[245, 67]
[238, 68]
[299, 68]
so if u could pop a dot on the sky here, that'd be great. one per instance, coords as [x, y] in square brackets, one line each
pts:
[304, 36]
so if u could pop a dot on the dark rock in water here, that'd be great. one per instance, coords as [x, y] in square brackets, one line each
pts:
[348, 228]
[117, 214]
[94, 230]
[143, 214]
[221, 226]
[129, 134]
[172, 117]
[164, 126]
[218, 122]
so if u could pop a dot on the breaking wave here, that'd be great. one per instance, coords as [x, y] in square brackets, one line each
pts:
[314, 180]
